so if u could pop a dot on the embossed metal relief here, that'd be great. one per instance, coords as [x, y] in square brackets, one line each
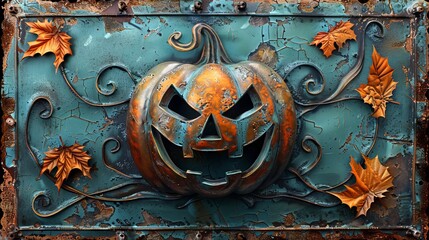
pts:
[212, 128]
[219, 120]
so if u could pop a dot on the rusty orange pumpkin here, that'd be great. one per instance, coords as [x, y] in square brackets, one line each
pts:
[212, 128]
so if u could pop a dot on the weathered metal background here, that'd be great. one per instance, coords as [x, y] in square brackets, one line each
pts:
[116, 48]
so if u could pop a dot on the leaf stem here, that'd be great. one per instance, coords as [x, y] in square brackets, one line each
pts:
[61, 139]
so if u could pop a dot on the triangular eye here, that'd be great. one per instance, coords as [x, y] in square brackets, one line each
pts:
[174, 103]
[247, 104]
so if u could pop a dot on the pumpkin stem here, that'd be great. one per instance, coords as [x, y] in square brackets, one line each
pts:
[213, 50]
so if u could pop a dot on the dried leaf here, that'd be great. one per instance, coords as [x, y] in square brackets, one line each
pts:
[371, 183]
[50, 39]
[336, 35]
[65, 159]
[379, 90]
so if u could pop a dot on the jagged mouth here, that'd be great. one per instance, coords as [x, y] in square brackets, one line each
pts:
[214, 164]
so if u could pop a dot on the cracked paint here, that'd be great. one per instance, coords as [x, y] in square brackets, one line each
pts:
[276, 33]
[266, 54]
[94, 212]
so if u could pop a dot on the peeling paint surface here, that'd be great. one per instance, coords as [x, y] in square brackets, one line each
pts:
[113, 51]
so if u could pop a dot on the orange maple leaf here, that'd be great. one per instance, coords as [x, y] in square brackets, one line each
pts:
[337, 35]
[50, 39]
[379, 90]
[65, 159]
[371, 183]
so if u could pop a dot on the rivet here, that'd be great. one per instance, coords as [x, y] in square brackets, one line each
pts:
[198, 6]
[13, 10]
[198, 236]
[10, 121]
[242, 5]
[418, 9]
[13, 231]
[122, 6]
[120, 235]
[241, 236]
[414, 232]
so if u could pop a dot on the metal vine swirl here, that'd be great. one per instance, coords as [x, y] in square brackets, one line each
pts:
[134, 193]
[344, 82]
[97, 86]
[309, 106]
[312, 86]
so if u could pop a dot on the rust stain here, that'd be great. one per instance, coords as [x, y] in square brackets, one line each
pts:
[68, 236]
[107, 123]
[8, 204]
[265, 53]
[139, 20]
[409, 44]
[97, 6]
[8, 136]
[99, 212]
[366, 235]
[8, 193]
[406, 72]
[159, 6]
[149, 219]
[71, 21]
[349, 138]
[422, 88]
[8, 30]
[314, 235]
[8, 105]
[248, 235]
[89, 5]
[423, 213]
[384, 208]
[423, 169]
[268, 1]
[308, 6]
[259, 21]
[115, 24]
[289, 220]
[151, 32]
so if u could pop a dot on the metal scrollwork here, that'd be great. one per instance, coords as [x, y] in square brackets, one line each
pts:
[115, 149]
[306, 195]
[128, 191]
[344, 82]
[104, 92]
[308, 166]
[133, 190]
[310, 83]
[98, 195]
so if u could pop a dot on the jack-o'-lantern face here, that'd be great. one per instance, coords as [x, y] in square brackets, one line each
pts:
[211, 128]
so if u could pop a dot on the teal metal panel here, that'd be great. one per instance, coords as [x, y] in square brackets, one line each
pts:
[113, 50]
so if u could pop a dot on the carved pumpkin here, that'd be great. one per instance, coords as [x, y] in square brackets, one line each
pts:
[214, 127]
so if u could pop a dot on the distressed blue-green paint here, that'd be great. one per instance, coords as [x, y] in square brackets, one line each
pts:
[143, 44]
